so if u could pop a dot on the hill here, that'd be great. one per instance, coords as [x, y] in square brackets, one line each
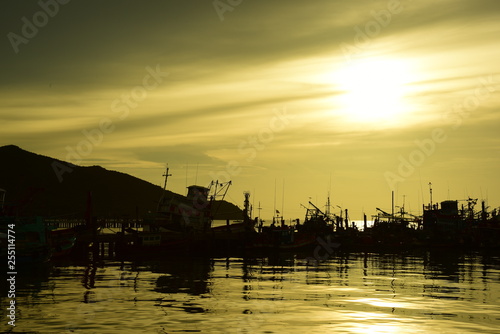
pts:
[43, 186]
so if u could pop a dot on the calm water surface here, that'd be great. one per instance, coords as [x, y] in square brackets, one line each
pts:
[430, 292]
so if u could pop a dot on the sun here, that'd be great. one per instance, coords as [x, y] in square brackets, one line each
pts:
[374, 90]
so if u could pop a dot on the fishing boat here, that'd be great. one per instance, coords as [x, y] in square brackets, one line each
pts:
[445, 224]
[62, 241]
[33, 238]
[234, 235]
[316, 221]
[23, 238]
[487, 233]
[326, 225]
[280, 237]
[281, 240]
[185, 223]
[393, 230]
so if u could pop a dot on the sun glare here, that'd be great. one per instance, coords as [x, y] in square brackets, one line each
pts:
[374, 90]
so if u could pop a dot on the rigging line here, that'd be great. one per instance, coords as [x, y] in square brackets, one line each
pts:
[274, 212]
[187, 168]
[253, 199]
[283, 199]
[421, 187]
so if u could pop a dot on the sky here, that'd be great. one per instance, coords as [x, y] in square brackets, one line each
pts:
[292, 101]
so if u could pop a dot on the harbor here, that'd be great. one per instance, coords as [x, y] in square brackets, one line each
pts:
[250, 167]
[185, 225]
[405, 292]
[179, 270]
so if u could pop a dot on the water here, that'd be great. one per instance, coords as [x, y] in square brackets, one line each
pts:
[429, 292]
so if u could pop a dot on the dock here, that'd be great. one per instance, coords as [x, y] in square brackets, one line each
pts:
[121, 223]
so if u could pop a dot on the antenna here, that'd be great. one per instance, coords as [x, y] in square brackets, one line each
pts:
[253, 200]
[327, 211]
[248, 212]
[274, 213]
[421, 188]
[187, 168]
[430, 191]
[392, 205]
[283, 199]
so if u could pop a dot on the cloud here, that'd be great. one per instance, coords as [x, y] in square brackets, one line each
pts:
[226, 78]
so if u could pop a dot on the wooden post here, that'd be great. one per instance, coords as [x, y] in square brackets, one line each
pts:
[111, 248]
[346, 220]
[102, 249]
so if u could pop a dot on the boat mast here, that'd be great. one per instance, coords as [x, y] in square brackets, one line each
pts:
[166, 178]
[248, 210]
[216, 193]
[392, 206]
[328, 205]
[430, 192]
[283, 200]
[166, 175]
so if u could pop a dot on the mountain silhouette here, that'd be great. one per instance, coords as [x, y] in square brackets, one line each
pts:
[38, 185]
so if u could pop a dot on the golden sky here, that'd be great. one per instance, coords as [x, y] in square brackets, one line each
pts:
[351, 98]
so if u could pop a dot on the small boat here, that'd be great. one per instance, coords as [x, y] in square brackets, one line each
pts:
[281, 237]
[281, 240]
[24, 239]
[28, 242]
[235, 235]
[62, 241]
[447, 225]
[318, 222]
[182, 222]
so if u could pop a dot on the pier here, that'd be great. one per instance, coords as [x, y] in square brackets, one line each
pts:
[100, 223]
[91, 239]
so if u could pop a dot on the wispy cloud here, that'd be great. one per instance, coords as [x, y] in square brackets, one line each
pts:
[226, 78]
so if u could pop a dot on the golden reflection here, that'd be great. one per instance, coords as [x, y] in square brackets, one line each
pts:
[383, 303]
[379, 323]
[375, 90]
[381, 329]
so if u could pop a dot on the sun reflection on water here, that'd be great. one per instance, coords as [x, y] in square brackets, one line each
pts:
[354, 293]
